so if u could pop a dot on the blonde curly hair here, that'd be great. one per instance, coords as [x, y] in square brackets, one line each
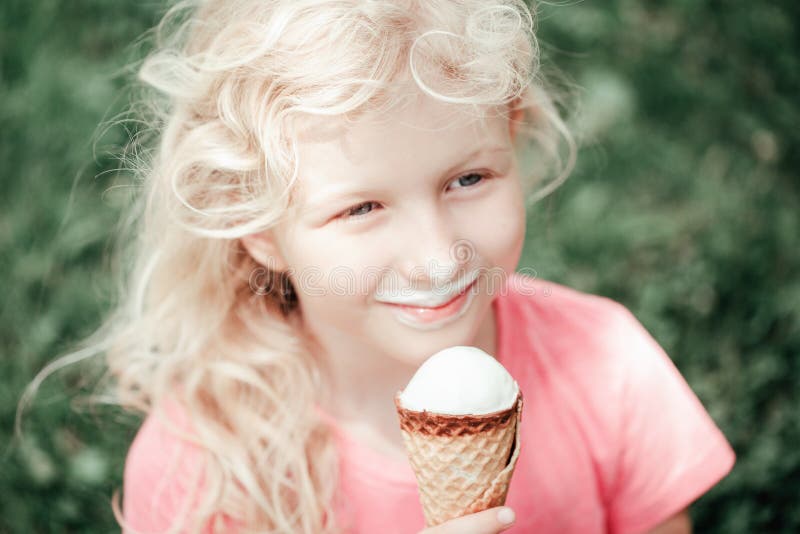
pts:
[229, 80]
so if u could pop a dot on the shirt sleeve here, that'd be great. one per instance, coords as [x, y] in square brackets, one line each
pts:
[162, 480]
[671, 452]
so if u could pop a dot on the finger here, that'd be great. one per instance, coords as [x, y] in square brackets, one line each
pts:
[488, 521]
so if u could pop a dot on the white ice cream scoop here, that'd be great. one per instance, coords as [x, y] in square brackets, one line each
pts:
[460, 380]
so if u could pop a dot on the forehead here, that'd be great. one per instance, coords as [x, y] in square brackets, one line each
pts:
[415, 116]
[421, 131]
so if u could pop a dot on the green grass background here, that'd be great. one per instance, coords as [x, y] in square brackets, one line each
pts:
[684, 206]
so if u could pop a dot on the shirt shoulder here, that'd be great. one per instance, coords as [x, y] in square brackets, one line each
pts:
[588, 358]
[162, 474]
[557, 304]
[567, 350]
[558, 327]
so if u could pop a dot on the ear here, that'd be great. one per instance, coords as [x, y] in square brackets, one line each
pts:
[263, 247]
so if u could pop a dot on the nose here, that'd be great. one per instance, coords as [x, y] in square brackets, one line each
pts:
[434, 255]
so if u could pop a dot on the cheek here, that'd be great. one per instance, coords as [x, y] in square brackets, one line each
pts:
[343, 266]
[498, 226]
[516, 220]
[505, 249]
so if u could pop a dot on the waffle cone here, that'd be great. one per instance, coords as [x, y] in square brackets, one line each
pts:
[463, 463]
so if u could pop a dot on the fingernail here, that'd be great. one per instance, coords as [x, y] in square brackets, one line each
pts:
[505, 516]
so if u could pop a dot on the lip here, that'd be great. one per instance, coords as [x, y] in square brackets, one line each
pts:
[427, 318]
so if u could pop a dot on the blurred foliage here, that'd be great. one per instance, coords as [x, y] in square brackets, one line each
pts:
[684, 206]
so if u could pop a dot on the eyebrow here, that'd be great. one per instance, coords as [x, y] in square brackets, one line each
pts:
[337, 194]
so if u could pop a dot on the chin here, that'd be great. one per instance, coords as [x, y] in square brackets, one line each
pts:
[419, 345]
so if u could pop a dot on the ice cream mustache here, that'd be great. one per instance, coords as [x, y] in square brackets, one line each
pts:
[460, 418]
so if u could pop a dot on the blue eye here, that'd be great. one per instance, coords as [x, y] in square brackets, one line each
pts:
[468, 180]
[358, 211]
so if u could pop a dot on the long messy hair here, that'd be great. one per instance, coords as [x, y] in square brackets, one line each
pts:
[229, 81]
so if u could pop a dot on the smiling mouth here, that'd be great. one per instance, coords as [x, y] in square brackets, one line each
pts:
[438, 306]
[430, 317]
[426, 299]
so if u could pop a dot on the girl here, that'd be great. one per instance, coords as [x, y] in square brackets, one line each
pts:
[335, 197]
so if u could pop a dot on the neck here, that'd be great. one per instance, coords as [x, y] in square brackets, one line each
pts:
[362, 389]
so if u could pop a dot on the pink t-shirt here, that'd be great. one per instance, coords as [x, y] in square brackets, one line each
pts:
[613, 439]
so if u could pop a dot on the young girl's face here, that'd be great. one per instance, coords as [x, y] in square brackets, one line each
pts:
[410, 205]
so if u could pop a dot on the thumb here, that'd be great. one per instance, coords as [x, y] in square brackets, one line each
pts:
[489, 521]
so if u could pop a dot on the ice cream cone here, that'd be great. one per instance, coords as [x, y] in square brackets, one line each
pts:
[463, 463]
